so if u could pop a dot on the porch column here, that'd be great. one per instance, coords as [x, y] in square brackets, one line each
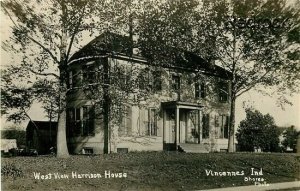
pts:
[164, 126]
[177, 126]
[199, 127]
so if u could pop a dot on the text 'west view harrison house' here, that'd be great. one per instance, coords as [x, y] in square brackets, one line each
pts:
[183, 106]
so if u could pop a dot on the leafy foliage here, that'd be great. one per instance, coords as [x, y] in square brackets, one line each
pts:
[290, 137]
[20, 91]
[19, 135]
[258, 131]
[15, 97]
[46, 33]
[256, 41]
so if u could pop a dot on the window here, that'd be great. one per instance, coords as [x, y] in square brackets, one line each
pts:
[175, 82]
[152, 122]
[157, 81]
[73, 79]
[87, 151]
[144, 79]
[73, 122]
[150, 80]
[194, 116]
[125, 125]
[223, 91]
[224, 126]
[205, 125]
[221, 125]
[121, 75]
[88, 74]
[80, 125]
[88, 120]
[199, 90]
[147, 122]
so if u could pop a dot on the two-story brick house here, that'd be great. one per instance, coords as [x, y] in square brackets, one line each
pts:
[185, 105]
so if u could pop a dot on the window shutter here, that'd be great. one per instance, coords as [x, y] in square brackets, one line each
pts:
[69, 121]
[128, 121]
[226, 127]
[141, 121]
[157, 81]
[205, 123]
[70, 80]
[203, 90]
[217, 126]
[146, 122]
[92, 121]
[77, 121]
[197, 90]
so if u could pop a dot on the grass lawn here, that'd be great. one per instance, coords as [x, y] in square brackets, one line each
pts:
[147, 171]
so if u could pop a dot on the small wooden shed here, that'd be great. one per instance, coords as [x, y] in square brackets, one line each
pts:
[41, 135]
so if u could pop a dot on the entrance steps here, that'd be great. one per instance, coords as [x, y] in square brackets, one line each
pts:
[193, 148]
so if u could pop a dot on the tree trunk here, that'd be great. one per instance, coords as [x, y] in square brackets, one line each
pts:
[106, 106]
[62, 149]
[61, 140]
[298, 145]
[231, 145]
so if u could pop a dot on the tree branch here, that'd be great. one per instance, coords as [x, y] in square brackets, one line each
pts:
[252, 84]
[44, 48]
[43, 74]
[30, 38]
[74, 33]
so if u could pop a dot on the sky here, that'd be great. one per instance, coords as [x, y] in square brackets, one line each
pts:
[265, 104]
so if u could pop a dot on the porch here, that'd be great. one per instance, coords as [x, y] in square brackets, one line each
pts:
[182, 129]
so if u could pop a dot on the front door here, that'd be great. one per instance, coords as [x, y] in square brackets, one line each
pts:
[182, 126]
[169, 130]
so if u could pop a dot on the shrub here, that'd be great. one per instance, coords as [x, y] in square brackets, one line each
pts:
[258, 131]
[10, 170]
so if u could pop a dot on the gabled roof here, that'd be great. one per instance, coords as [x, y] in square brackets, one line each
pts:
[194, 61]
[42, 125]
[122, 45]
[105, 43]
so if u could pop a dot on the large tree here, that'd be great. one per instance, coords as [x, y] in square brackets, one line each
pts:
[256, 41]
[45, 33]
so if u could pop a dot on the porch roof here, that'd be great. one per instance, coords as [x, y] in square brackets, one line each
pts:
[181, 105]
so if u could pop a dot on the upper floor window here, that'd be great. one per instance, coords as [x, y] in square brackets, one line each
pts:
[122, 76]
[150, 80]
[70, 80]
[157, 81]
[223, 91]
[89, 74]
[175, 82]
[199, 90]
[73, 79]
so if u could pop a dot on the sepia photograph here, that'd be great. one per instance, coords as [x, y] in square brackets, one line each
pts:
[150, 95]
